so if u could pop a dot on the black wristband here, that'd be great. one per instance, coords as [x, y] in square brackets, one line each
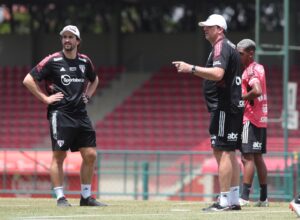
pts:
[193, 69]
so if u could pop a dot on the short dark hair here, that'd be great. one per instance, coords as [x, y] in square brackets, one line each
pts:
[246, 44]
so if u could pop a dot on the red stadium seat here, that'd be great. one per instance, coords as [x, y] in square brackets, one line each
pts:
[157, 116]
[169, 113]
[23, 118]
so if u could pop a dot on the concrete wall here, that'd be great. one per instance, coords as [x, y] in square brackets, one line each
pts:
[149, 52]
[137, 52]
[15, 50]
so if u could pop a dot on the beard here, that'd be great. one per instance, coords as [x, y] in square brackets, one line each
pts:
[69, 47]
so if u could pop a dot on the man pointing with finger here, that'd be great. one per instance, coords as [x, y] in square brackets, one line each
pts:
[222, 90]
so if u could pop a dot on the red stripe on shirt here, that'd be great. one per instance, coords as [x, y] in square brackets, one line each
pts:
[218, 48]
[86, 57]
[46, 60]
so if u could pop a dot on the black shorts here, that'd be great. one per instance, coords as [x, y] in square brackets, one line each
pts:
[71, 133]
[254, 139]
[225, 130]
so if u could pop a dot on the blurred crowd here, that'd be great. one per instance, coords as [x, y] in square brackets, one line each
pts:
[133, 16]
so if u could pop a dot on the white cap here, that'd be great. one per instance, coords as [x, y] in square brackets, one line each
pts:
[71, 28]
[213, 20]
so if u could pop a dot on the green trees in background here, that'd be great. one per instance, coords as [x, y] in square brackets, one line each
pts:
[91, 16]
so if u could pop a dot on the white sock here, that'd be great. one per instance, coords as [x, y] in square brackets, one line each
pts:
[224, 199]
[234, 195]
[86, 190]
[59, 192]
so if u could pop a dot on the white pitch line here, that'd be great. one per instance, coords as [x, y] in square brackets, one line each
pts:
[187, 203]
[78, 216]
[14, 205]
[180, 210]
[246, 212]
[149, 214]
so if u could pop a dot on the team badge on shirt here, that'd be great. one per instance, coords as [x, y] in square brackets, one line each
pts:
[60, 143]
[82, 68]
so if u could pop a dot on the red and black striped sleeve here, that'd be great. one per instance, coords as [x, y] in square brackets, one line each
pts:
[42, 69]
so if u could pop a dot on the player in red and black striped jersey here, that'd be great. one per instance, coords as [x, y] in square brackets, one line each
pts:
[224, 94]
[70, 82]
[222, 89]
[66, 76]
[254, 136]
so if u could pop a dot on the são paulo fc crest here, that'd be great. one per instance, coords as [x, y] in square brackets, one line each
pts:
[82, 68]
[60, 143]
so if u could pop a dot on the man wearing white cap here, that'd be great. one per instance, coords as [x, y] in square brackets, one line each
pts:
[222, 89]
[70, 82]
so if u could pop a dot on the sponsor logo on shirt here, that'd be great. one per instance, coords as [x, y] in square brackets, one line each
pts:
[66, 80]
[232, 136]
[241, 104]
[72, 69]
[217, 62]
[62, 69]
[257, 145]
[238, 80]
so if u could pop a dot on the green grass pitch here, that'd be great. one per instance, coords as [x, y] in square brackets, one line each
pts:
[30, 208]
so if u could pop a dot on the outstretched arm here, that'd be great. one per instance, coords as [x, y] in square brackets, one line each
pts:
[35, 89]
[210, 73]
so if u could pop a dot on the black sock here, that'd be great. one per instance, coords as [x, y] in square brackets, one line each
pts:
[263, 192]
[246, 191]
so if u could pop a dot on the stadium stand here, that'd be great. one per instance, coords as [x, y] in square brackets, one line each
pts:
[275, 140]
[167, 112]
[107, 74]
[22, 121]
